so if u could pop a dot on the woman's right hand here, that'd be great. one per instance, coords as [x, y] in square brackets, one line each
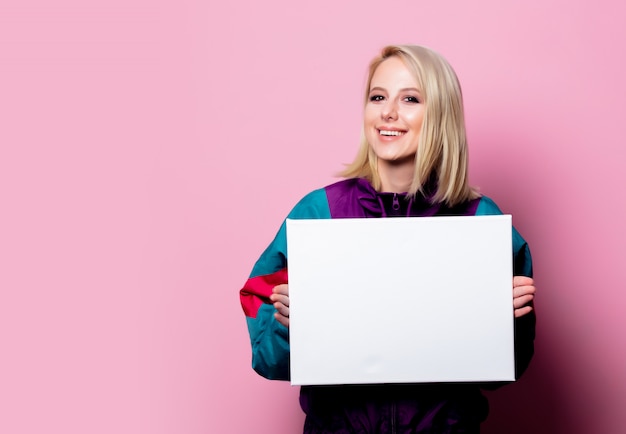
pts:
[280, 298]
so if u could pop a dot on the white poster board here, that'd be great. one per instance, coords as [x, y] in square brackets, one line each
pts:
[401, 300]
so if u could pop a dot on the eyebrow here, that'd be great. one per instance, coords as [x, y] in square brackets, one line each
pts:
[414, 89]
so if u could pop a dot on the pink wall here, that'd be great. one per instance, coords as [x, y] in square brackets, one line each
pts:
[149, 150]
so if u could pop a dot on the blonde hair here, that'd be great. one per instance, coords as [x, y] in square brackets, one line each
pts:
[442, 148]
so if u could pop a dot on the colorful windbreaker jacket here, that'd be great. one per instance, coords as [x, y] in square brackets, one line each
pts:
[351, 198]
[387, 408]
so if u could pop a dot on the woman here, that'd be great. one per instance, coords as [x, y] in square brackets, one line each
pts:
[412, 162]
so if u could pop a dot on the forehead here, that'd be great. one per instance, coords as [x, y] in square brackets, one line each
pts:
[393, 73]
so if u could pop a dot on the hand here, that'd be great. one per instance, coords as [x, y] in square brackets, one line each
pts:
[523, 293]
[280, 298]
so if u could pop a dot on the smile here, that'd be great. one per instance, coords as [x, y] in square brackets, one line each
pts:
[391, 133]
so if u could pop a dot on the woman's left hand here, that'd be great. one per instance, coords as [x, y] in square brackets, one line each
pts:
[523, 293]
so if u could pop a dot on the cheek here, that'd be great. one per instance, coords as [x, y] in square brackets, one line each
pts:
[370, 136]
[369, 116]
[415, 119]
[369, 124]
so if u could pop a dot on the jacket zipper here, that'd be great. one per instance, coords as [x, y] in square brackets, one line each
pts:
[396, 202]
[393, 417]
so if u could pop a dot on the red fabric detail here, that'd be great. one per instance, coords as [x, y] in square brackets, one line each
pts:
[257, 291]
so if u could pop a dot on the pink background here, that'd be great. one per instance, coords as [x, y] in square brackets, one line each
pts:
[150, 149]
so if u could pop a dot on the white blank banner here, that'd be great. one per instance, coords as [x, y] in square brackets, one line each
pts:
[401, 300]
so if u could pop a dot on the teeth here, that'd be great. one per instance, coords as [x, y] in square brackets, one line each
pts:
[391, 133]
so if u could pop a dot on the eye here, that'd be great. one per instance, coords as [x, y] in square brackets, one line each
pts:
[375, 98]
[412, 99]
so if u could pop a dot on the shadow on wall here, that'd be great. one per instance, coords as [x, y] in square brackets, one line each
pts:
[541, 402]
[535, 404]
[566, 389]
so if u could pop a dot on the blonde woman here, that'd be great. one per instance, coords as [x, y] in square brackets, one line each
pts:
[412, 162]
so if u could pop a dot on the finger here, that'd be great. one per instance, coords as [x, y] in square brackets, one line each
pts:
[522, 311]
[522, 281]
[524, 290]
[282, 319]
[282, 309]
[519, 302]
[280, 298]
[281, 289]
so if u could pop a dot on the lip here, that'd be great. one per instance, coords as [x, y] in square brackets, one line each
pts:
[385, 128]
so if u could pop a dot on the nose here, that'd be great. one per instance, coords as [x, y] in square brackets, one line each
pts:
[390, 110]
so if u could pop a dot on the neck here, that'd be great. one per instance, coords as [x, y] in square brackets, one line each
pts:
[396, 178]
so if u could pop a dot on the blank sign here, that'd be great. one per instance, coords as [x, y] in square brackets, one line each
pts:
[401, 300]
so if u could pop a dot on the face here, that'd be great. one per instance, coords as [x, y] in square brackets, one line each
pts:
[393, 114]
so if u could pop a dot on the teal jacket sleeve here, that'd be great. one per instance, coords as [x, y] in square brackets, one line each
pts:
[270, 339]
[522, 266]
